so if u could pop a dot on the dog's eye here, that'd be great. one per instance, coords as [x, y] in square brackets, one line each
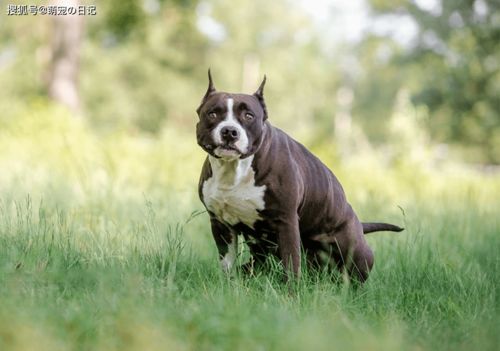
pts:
[248, 116]
[212, 115]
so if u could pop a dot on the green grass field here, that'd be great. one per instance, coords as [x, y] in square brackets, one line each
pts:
[104, 246]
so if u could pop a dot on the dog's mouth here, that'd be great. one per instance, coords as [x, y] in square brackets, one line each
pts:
[227, 151]
[228, 147]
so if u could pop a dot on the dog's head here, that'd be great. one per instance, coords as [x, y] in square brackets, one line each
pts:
[231, 126]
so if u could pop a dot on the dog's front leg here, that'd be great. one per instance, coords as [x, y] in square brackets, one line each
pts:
[289, 246]
[227, 244]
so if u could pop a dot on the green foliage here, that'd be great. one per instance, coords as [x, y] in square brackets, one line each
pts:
[143, 67]
[376, 89]
[385, 5]
[453, 70]
[123, 16]
[149, 68]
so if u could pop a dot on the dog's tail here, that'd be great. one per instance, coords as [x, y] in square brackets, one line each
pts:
[379, 227]
[367, 228]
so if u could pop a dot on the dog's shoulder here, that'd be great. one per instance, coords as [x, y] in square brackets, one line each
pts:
[288, 153]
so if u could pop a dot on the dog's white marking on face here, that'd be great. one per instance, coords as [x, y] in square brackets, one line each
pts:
[231, 193]
[230, 121]
[230, 257]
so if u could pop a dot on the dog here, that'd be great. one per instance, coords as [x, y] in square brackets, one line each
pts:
[259, 182]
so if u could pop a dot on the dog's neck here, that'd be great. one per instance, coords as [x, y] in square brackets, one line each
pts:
[231, 173]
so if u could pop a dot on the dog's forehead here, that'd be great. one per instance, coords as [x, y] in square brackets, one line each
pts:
[244, 98]
[221, 98]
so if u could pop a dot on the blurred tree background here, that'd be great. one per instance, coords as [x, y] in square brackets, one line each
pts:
[413, 73]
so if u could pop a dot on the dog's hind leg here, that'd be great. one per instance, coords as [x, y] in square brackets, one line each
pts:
[351, 251]
[361, 262]
[317, 254]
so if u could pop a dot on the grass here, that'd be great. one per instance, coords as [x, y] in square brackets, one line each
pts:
[104, 246]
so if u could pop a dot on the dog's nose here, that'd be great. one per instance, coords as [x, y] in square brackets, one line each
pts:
[229, 133]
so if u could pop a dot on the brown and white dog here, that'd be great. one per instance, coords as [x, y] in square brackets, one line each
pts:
[259, 182]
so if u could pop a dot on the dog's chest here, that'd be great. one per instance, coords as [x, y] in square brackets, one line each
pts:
[231, 194]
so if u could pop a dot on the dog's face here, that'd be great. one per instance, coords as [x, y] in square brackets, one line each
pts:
[230, 126]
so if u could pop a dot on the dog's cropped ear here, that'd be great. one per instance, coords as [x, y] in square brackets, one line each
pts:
[210, 91]
[259, 94]
[211, 87]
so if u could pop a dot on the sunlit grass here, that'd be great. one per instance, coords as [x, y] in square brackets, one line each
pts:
[104, 246]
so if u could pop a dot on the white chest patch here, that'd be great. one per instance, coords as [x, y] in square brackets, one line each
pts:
[231, 193]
